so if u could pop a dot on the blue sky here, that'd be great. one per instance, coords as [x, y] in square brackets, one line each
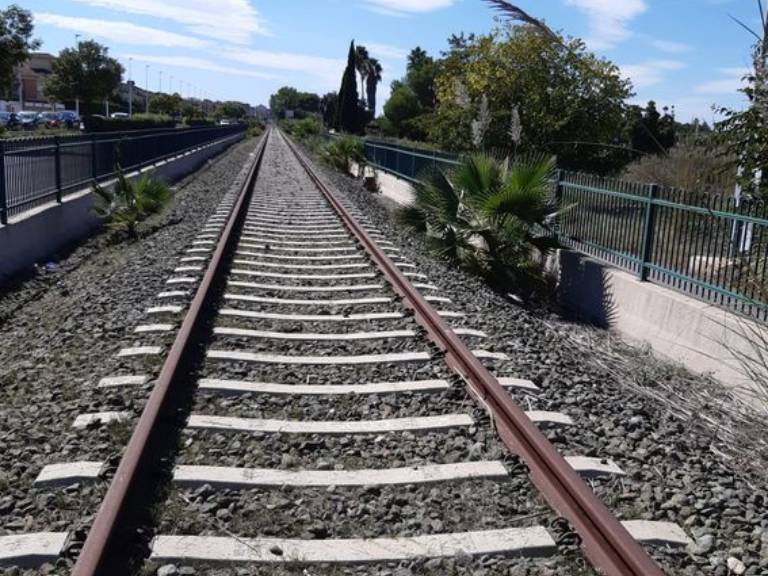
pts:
[686, 53]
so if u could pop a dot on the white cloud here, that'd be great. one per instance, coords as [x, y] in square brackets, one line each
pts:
[403, 7]
[385, 51]
[608, 19]
[120, 32]
[651, 72]
[199, 64]
[729, 82]
[230, 20]
[327, 69]
[670, 47]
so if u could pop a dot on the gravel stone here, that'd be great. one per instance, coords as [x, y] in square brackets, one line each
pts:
[673, 471]
[61, 331]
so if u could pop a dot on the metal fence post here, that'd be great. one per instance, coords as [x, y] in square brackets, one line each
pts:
[3, 196]
[558, 199]
[57, 162]
[648, 228]
[94, 167]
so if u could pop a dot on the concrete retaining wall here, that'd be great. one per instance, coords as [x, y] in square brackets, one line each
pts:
[35, 235]
[697, 335]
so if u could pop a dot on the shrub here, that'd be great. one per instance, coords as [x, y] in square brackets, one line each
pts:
[194, 121]
[490, 217]
[128, 203]
[690, 165]
[342, 152]
[255, 128]
[303, 129]
[136, 122]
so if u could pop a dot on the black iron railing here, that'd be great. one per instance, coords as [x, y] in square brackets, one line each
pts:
[36, 171]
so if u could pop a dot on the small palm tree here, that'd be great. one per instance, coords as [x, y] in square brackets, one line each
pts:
[127, 203]
[489, 216]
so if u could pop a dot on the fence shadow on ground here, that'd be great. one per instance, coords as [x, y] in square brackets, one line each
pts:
[585, 291]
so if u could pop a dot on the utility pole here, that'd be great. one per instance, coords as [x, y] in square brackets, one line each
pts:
[130, 87]
[160, 82]
[146, 87]
[170, 85]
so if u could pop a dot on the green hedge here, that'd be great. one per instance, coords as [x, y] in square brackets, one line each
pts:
[199, 122]
[137, 122]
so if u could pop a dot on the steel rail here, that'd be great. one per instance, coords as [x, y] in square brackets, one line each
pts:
[100, 541]
[607, 544]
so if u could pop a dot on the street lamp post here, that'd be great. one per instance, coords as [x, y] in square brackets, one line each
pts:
[146, 87]
[77, 96]
[130, 87]
[160, 82]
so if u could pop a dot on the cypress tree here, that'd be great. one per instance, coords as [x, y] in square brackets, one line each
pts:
[346, 118]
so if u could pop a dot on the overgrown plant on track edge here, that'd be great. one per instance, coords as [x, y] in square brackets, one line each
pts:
[127, 203]
[342, 153]
[489, 216]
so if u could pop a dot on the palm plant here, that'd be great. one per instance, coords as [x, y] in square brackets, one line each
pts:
[127, 203]
[489, 216]
[342, 153]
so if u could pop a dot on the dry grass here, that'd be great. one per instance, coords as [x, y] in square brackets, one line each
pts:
[738, 430]
[690, 165]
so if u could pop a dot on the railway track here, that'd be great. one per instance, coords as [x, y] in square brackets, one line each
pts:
[324, 407]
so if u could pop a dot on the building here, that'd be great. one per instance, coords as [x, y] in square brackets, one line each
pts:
[29, 87]
[128, 90]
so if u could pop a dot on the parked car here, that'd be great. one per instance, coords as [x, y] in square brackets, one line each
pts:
[69, 118]
[28, 120]
[50, 119]
[9, 120]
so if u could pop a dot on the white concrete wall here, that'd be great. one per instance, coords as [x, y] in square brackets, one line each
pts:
[701, 337]
[34, 236]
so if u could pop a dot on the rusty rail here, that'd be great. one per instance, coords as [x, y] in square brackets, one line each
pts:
[607, 544]
[100, 544]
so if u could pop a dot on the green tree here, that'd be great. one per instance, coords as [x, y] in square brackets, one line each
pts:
[403, 105]
[328, 105]
[234, 110]
[289, 98]
[648, 131]
[189, 110]
[742, 136]
[568, 101]
[16, 27]
[421, 75]
[168, 104]
[286, 98]
[86, 72]
[347, 112]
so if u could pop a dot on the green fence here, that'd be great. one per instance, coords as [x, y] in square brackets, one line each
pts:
[710, 247]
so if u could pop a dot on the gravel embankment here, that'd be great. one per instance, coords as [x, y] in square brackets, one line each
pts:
[673, 472]
[61, 331]
[340, 512]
